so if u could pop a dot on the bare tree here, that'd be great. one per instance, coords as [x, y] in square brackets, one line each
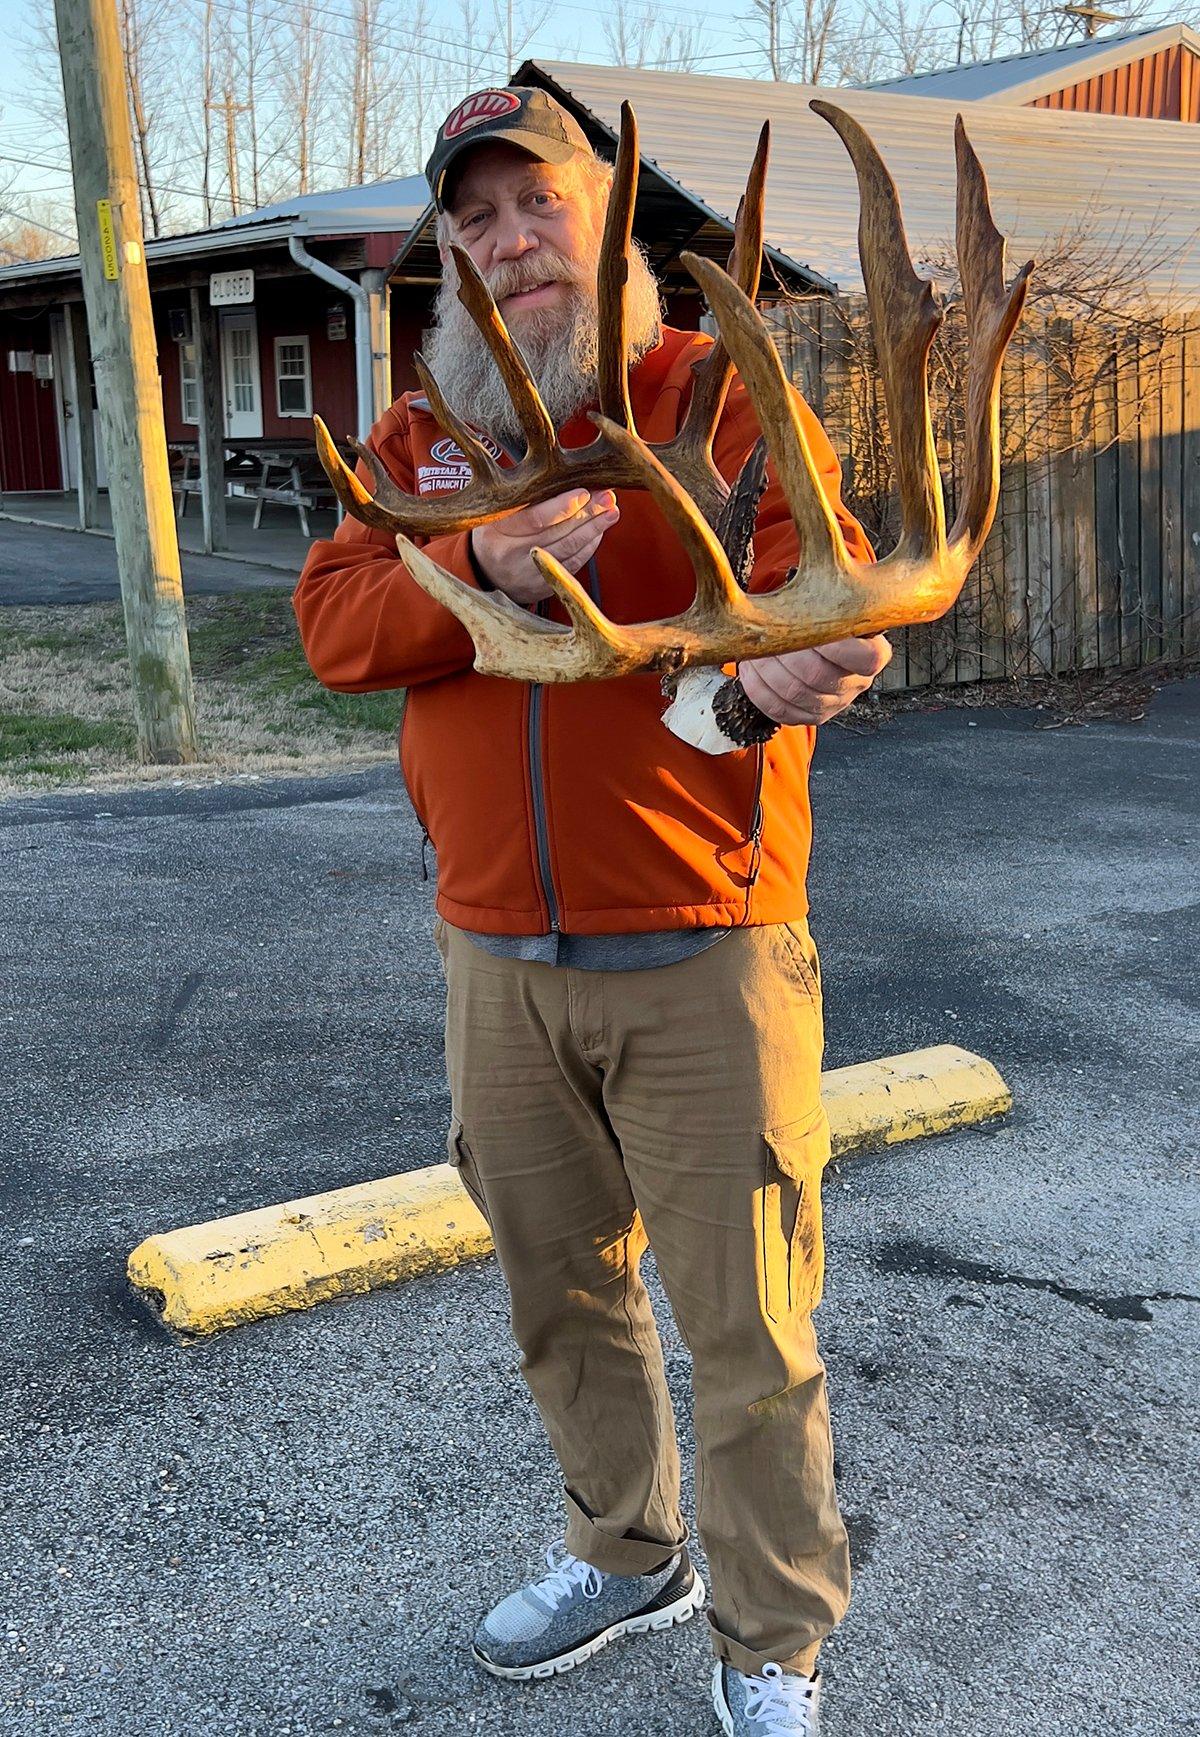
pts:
[638, 36]
[23, 237]
[299, 78]
[794, 37]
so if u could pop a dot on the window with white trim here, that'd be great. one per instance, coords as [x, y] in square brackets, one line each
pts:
[189, 382]
[293, 377]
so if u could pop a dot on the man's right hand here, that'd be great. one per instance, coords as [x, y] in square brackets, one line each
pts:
[569, 527]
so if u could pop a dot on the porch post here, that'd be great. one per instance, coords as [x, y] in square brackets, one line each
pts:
[375, 282]
[211, 430]
[87, 491]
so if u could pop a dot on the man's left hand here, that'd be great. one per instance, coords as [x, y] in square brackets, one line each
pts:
[811, 687]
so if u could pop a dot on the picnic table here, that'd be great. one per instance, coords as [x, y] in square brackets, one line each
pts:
[281, 471]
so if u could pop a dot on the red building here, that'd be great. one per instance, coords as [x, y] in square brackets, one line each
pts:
[1149, 75]
[296, 298]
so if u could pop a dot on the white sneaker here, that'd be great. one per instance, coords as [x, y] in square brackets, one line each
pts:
[777, 1704]
[570, 1614]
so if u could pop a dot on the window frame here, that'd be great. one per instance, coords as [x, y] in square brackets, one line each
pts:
[186, 344]
[300, 338]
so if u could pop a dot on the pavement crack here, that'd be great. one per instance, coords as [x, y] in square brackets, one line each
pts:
[921, 1260]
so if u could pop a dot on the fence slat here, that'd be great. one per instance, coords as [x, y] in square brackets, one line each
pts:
[1129, 503]
[1171, 473]
[1013, 539]
[1065, 488]
[1190, 490]
[1150, 469]
[1108, 540]
[1039, 588]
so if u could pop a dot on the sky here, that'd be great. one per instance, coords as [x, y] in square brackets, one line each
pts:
[572, 31]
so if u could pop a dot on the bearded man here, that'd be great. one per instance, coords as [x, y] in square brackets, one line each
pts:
[633, 1026]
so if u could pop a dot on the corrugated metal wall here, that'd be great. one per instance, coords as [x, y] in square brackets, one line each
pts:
[1160, 87]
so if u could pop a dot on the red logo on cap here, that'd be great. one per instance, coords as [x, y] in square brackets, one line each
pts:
[485, 105]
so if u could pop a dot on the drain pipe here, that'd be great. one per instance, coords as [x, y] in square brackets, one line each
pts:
[363, 368]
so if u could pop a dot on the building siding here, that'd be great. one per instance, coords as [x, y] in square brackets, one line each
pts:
[29, 455]
[1158, 87]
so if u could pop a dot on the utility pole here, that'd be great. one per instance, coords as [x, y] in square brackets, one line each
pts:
[117, 296]
[1091, 17]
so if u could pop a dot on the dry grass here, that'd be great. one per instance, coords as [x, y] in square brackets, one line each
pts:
[66, 709]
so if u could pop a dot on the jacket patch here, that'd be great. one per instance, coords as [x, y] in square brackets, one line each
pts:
[451, 470]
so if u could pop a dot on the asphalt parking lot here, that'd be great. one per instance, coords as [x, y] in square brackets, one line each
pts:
[216, 998]
[39, 564]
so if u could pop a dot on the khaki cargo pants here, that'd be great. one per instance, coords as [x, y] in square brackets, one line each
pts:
[596, 1110]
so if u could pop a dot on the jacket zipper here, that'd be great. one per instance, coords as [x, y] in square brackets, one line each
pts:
[537, 780]
[537, 785]
[754, 835]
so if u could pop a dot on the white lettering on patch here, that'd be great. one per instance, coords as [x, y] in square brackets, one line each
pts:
[442, 478]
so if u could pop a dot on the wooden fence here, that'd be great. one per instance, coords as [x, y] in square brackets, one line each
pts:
[1094, 559]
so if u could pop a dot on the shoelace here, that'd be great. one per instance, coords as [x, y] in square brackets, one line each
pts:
[568, 1575]
[781, 1703]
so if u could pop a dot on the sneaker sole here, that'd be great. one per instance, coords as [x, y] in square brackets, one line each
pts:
[720, 1704]
[670, 1616]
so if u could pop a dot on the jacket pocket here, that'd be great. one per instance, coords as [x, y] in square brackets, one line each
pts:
[793, 1246]
[461, 1159]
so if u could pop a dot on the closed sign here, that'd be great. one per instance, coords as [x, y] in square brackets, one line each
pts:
[230, 288]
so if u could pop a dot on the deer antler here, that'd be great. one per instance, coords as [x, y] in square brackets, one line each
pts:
[547, 468]
[831, 595]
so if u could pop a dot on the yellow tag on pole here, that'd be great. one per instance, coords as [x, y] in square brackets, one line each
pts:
[108, 238]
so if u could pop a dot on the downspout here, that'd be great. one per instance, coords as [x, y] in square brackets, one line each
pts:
[363, 370]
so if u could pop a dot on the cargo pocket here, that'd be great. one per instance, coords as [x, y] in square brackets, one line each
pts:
[793, 1250]
[801, 954]
[461, 1159]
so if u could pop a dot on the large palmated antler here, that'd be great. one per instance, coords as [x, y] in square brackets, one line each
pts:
[547, 468]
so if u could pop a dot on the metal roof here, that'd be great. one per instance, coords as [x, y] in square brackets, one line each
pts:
[1021, 78]
[1122, 188]
[378, 206]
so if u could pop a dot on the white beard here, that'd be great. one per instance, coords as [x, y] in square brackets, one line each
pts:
[560, 344]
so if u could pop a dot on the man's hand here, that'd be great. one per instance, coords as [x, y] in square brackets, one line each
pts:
[569, 527]
[810, 687]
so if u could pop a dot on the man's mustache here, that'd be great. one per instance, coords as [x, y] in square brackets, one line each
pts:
[512, 276]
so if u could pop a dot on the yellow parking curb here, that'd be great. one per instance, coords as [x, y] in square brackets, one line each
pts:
[903, 1097]
[233, 1270]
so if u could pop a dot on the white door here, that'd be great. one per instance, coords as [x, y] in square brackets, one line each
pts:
[239, 369]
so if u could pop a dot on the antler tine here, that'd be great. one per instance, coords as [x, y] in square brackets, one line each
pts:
[719, 597]
[691, 450]
[758, 363]
[483, 466]
[513, 642]
[536, 425]
[992, 312]
[370, 509]
[904, 318]
[613, 277]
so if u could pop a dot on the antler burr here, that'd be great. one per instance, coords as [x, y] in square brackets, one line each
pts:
[830, 595]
